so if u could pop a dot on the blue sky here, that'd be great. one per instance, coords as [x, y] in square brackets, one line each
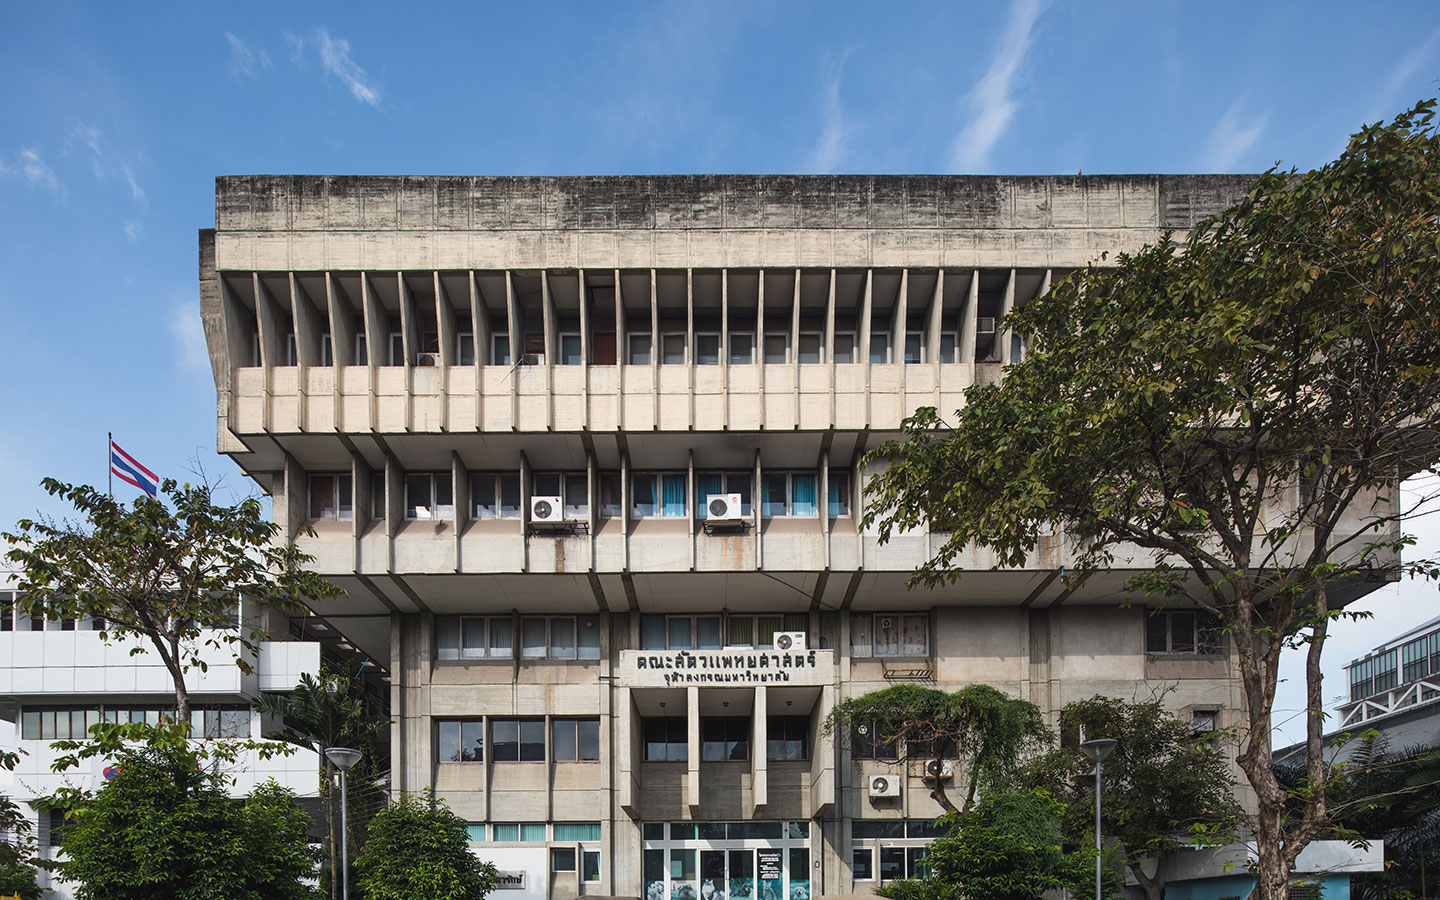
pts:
[117, 117]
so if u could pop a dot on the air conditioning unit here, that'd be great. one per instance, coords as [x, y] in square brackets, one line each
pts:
[940, 768]
[546, 510]
[789, 640]
[985, 325]
[884, 785]
[723, 508]
[427, 359]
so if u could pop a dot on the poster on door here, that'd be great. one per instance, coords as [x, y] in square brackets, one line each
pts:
[770, 877]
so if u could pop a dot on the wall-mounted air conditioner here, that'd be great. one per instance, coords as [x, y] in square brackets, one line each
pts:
[427, 359]
[723, 508]
[789, 640]
[546, 510]
[985, 325]
[940, 768]
[884, 785]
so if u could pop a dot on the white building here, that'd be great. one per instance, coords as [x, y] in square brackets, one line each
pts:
[58, 678]
[585, 455]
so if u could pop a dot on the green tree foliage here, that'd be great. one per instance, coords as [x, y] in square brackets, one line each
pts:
[418, 850]
[164, 829]
[1229, 417]
[1388, 795]
[1006, 847]
[1165, 789]
[17, 851]
[977, 723]
[169, 572]
[334, 710]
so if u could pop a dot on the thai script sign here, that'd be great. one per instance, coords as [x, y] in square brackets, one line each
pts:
[736, 666]
[510, 880]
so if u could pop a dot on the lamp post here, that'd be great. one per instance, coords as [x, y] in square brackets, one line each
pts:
[343, 758]
[1097, 750]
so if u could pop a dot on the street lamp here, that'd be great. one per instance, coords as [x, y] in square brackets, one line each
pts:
[1097, 750]
[343, 758]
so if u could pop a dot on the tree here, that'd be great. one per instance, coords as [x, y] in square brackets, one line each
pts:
[418, 850]
[164, 829]
[1230, 417]
[17, 844]
[979, 723]
[172, 575]
[1165, 788]
[332, 711]
[1007, 847]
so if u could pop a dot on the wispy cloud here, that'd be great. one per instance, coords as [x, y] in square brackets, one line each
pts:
[1232, 138]
[1400, 76]
[992, 102]
[189, 335]
[134, 229]
[106, 162]
[31, 168]
[335, 57]
[243, 60]
[833, 144]
[296, 43]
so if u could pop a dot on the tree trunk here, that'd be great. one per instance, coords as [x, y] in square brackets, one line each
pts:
[1153, 886]
[937, 793]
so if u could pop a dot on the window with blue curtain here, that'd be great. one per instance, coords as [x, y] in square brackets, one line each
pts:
[673, 487]
[707, 483]
[839, 491]
[803, 489]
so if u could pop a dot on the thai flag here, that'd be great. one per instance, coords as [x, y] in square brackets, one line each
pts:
[124, 467]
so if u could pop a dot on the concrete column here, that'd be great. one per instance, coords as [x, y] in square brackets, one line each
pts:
[759, 765]
[822, 767]
[692, 735]
[342, 343]
[965, 352]
[1004, 337]
[460, 493]
[866, 314]
[376, 340]
[725, 348]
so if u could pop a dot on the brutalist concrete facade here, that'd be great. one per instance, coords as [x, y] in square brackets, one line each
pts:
[585, 453]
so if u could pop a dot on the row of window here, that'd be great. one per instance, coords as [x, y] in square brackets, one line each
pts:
[12, 619]
[498, 495]
[1183, 631]
[684, 632]
[1387, 670]
[726, 831]
[518, 740]
[62, 723]
[775, 347]
[532, 832]
[725, 738]
[529, 637]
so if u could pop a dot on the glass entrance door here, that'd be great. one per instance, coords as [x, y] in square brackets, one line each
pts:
[727, 861]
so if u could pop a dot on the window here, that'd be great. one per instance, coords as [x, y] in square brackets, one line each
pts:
[559, 637]
[657, 495]
[867, 743]
[362, 349]
[707, 349]
[495, 495]
[789, 494]
[742, 348]
[525, 832]
[220, 722]
[460, 741]
[576, 831]
[665, 740]
[1183, 631]
[330, 497]
[810, 347]
[777, 347]
[947, 347]
[1204, 721]
[377, 496]
[844, 347]
[55, 828]
[838, 487]
[590, 865]
[517, 740]
[570, 350]
[572, 489]
[291, 354]
[892, 863]
[787, 737]
[397, 343]
[610, 503]
[914, 347]
[725, 738]
[500, 348]
[889, 634]
[672, 348]
[759, 631]
[575, 740]
[710, 483]
[7, 611]
[659, 632]
[638, 349]
[474, 637]
[862, 860]
[879, 343]
[475, 832]
[465, 348]
[429, 496]
[562, 859]
[327, 352]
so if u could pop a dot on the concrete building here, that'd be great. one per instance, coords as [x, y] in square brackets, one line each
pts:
[585, 454]
[58, 678]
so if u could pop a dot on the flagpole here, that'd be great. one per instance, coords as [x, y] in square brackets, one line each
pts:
[109, 443]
